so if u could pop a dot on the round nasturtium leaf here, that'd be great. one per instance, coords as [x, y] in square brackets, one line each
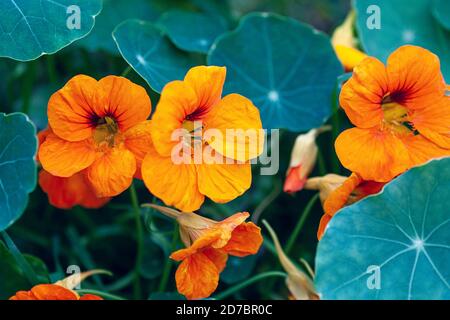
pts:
[393, 245]
[383, 26]
[29, 29]
[191, 31]
[288, 69]
[150, 53]
[18, 145]
[114, 12]
[441, 11]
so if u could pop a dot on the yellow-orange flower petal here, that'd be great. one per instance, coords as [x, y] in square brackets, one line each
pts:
[113, 172]
[207, 82]
[414, 72]
[246, 239]
[362, 94]
[197, 277]
[349, 57]
[422, 150]
[70, 108]
[205, 241]
[385, 155]
[178, 100]
[217, 256]
[51, 292]
[176, 185]
[139, 141]
[64, 158]
[239, 124]
[220, 181]
[128, 102]
[433, 121]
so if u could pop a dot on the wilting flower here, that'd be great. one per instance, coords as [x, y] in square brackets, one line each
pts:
[337, 192]
[61, 290]
[298, 282]
[64, 193]
[191, 107]
[400, 111]
[303, 159]
[98, 127]
[345, 43]
[208, 244]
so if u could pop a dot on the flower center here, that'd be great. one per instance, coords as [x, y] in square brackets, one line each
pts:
[193, 135]
[105, 132]
[395, 116]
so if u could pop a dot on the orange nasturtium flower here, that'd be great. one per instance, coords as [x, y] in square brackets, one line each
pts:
[51, 292]
[337, 192]
[400, 111]
[208, 244]
[194, 106]
[99, 127]
[64, 193]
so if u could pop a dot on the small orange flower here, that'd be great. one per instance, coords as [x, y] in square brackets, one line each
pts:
[195, 106]
[337, 192]
[208, 244]
[400, 111]
[64, 193]
[99, 127]
[303, 159]
[51, 292]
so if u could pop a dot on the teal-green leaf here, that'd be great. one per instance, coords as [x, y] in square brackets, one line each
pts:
[404, 231]
[150, 53]
[191, 31]
[114, 12]
[287, 69]
[18, 144]
[29, 29]
[403, 22]
[12, 278]
[441, 11]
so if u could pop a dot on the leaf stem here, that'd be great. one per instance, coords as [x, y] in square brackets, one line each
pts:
[168, 264]
[300, 223]
[126, 71]
[140, 242]
[102, 294]
[20, 259]
[248, 282]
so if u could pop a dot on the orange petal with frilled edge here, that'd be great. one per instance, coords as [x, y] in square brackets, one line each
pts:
[339, 197]
[91, 297]
[175, 184]
[53, 292]
[89, 199]
[197, 277]
[236, 129]
[422, 150]
[362, 94]
[217, 256]
[178, 100]
[23, 295]
[433, 121]
[221, 181]
[127, 102]
[349, 57]
[374, 154]
[415, 74]
[323, 225]
[113, 172]
[63, 193]
[138, 140]
[246, 239]
[227, 227]
[64, 158]
[201, 243]
[207, 82]
[71, 109]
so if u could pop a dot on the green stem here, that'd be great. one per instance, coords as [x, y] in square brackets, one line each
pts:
[51, 69]
[140, 242]
[248, 282]
[321, 163]
[168, 264]
[102, 294]
[300, 223]
[20, 259]
[27, 86]
[126, 71]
